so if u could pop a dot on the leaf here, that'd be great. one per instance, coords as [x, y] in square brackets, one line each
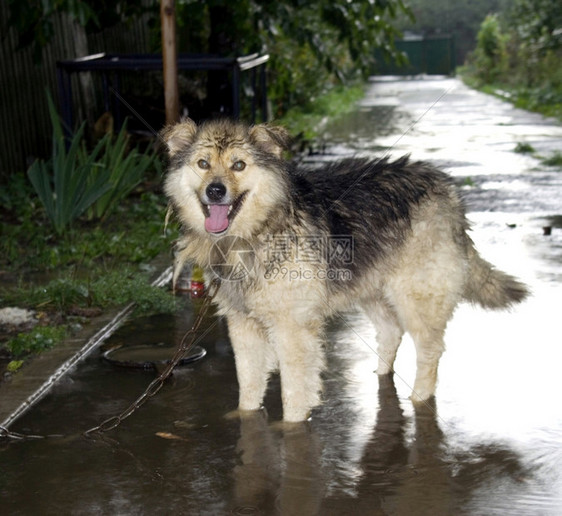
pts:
[169, 436]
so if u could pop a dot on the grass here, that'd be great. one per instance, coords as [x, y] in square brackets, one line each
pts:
[134, 234]
[90, 268]
[35, 341]
[539, 100]
[306, 121]
[554, 160]
[524, 148]
[97, 290]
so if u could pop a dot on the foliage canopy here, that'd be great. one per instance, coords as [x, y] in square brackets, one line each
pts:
[519, 50]
[312, 44]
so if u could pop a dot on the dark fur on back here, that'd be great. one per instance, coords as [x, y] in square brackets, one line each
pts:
[369, 200]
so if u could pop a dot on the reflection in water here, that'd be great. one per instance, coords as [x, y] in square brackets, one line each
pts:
[279, 467]
[366, 451]
[284, 469]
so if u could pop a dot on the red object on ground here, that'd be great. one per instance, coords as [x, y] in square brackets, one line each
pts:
[197, 288]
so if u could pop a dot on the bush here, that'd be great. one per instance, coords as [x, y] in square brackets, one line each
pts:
[76, 180]
[103, 290]
[124, 169]
[490, 56]
[39, 339]
[523, 58]
[67, 184]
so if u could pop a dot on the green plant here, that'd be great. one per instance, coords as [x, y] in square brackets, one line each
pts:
[14, 365]
[126, 169]
[134, 233]
[37, 340]
[554, 160]
[306, 120]
[122, 287]
[68, 183]
[15, 193]
[490, 55]
[99, 289]
[524, 148]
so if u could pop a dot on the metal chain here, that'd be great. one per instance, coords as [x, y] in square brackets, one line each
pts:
[113, 422]
[186, 344]
[15, 436]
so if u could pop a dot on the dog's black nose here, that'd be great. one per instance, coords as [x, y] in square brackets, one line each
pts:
[216, 191]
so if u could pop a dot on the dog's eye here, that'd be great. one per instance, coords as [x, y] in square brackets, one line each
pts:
[238, 166]
[204, 164]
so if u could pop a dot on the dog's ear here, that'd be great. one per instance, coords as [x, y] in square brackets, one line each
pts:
[274, 139]
[178, 136]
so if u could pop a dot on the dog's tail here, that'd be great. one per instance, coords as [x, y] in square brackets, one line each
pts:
[490, 287]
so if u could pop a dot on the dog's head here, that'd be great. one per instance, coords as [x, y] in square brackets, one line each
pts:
[225, 176]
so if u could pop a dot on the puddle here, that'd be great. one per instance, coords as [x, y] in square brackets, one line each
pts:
[490, 445]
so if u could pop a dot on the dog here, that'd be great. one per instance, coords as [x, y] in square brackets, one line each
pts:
[293, 246]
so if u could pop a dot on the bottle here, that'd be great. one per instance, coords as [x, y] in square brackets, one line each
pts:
[197, 285]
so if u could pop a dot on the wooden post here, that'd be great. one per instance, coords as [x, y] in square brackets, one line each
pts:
[169, 60]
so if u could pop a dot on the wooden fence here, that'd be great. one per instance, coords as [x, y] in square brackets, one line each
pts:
[25, 129]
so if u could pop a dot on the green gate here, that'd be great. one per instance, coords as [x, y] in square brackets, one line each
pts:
[430, 55]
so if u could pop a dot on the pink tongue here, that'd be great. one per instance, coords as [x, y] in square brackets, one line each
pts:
[217, 221]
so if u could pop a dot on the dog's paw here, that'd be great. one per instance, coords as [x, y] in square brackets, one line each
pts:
[288, 427]
[296, 414]
[244, 414]
[419, 396]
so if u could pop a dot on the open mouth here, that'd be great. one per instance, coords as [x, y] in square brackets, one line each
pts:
[219, 216]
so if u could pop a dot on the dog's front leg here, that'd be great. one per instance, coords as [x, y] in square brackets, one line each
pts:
[301, 360]
[253, 359]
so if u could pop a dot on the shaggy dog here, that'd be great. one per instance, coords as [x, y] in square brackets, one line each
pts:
[293, 246]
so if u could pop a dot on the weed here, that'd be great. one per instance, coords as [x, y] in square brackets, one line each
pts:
[75, 180]
[14, 366]
[554, 160]
[306, 121]
[99, 289]
[66, 184]
[126, 168]
[524, 148]
[133, 234]
[39, 339]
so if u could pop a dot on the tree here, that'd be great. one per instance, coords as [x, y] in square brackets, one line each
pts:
[312, 44]
[461, 18]
[169, 60]
[33, 19]
[538, 23]
[490, 56]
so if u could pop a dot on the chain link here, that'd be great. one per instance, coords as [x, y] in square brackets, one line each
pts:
[14, 436]
[187, 342]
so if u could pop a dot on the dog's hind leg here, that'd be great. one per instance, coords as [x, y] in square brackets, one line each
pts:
[429, 348]
[254, 359]
[425, 288]
[389, 333]
[425, 318]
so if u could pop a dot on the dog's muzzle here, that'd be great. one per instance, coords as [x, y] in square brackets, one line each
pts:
[215, 192]
[219, 208]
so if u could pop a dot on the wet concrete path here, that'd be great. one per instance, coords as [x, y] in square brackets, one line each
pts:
[491, 444]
